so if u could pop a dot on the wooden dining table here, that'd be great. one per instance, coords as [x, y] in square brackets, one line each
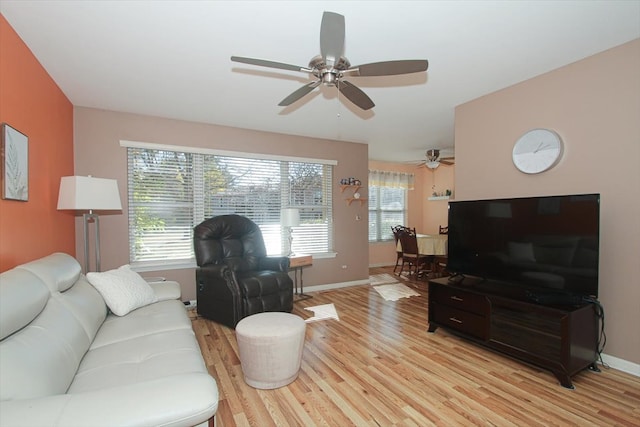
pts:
[430, 244]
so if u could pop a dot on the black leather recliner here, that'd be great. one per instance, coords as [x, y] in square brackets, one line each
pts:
[235, 278]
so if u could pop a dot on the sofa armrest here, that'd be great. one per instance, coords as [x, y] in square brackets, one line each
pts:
[166, 290]
[193, 400]
[280, 263]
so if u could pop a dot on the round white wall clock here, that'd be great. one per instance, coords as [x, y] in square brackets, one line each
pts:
[537, 151]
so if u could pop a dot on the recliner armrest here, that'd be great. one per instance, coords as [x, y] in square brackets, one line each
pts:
[212, 272]
[280, 263]
[218, 276]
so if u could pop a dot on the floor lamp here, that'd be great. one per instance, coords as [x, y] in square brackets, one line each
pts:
[86, 193]
[290, 217]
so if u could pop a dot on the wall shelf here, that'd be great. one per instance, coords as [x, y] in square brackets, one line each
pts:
[439, 198]
[353, 199]
[355, 189]
[345, 186]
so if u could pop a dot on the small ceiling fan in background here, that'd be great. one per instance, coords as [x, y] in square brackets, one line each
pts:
[330, 67]
[433, 159]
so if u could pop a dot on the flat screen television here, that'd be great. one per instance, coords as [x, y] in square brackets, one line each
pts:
[548, 244]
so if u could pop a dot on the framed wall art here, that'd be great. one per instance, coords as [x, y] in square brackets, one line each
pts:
[15, 164]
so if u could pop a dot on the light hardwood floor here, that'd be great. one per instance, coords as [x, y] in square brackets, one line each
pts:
[378, 366]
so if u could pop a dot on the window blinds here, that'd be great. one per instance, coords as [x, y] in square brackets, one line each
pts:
[170, 192]
[387, 202]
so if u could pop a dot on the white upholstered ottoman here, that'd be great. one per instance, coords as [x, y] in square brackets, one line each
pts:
[270, 346]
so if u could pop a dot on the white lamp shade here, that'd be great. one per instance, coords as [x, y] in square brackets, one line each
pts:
[88, 193]
[290, 217]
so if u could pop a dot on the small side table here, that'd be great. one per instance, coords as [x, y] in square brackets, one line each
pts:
[296, 263]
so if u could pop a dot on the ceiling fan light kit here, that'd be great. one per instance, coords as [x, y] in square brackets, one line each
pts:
[433, 164]
[434, 160]
[330, 67]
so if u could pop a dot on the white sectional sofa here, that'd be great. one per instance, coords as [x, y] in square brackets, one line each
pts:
[65, 360]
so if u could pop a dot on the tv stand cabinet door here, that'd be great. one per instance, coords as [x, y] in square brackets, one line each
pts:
[562, 341]
[526, 331]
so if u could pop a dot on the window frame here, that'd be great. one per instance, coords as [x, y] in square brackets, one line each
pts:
[377, 213]
[197, 167]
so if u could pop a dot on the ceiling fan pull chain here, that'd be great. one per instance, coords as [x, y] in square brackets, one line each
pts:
[338, 98]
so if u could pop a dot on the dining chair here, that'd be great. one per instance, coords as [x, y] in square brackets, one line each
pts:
[396, 237]
[411, 255]
[396, 230]
[440, 261]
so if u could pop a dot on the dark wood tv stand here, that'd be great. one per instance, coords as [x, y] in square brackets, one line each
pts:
[562, 339]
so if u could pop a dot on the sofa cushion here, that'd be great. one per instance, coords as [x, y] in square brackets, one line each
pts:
[139, 359]
[22, 297]
[42, 359]
[58, 271]
[86, 304]
[123, 289]
[159, 317]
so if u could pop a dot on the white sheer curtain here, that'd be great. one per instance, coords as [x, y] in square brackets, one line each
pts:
[391, 179]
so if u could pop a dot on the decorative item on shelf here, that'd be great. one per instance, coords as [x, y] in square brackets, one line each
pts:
[350, 181]
[356, 195]
[447, 192]
[86, 193]
[442, 195]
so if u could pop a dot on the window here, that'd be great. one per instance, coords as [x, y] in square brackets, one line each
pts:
[170, 192]
[387, 202]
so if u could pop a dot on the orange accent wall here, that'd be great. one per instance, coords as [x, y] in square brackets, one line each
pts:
[31, 102]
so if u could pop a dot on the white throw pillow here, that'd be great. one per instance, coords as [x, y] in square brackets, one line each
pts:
[122, 289]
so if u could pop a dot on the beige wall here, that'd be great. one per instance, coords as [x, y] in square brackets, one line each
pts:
[97, 152]
[594, 105]
[426, 216]
[436, 211]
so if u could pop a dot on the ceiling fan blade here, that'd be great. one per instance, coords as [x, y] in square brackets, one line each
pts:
[331, 37]
[390, 68]
[299, 93]
[270, 64]
[447, 161]
[355, 95]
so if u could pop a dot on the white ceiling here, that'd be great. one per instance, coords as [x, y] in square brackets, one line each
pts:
[171, 59]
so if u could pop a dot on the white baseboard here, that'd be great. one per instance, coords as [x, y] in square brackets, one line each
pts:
[381, 265]
[330, 286]
[622, 365]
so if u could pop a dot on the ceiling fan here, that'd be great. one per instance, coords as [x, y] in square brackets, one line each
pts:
[330, 67]
[434, 160]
